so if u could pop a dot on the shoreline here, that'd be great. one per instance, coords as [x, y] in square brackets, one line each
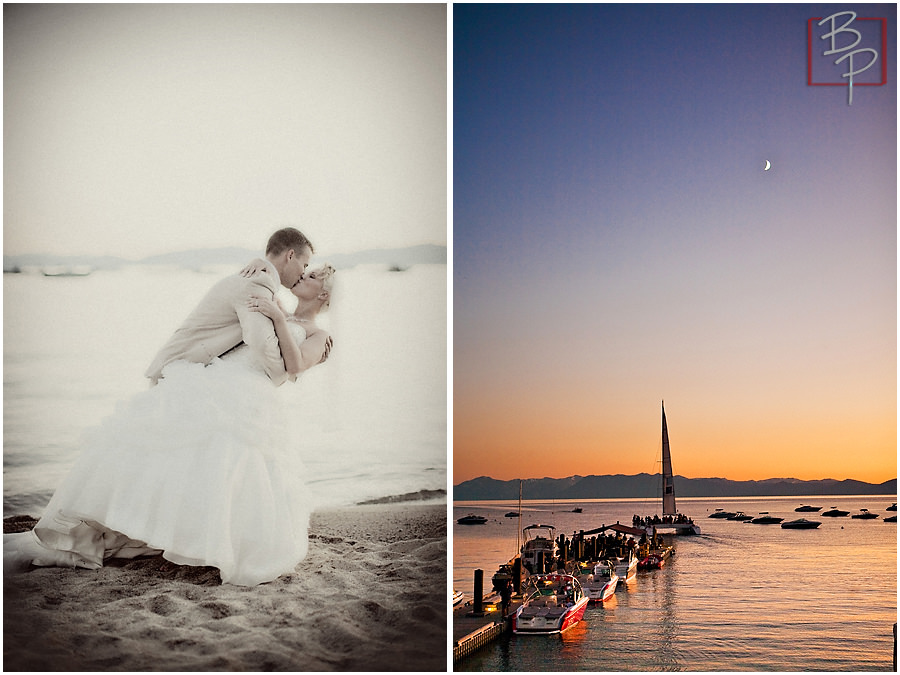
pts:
[375, 575]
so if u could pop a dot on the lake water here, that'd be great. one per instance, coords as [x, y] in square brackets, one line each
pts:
[371, 422]
[739, 597]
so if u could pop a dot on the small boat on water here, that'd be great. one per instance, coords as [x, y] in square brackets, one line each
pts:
[577, 509]
[865, 514]
[740, 515]
[540, 548]
[765, 519]
[512, 514]
[892, 507]
[890, 519]
[801, 524]
[552, 603]
[656, 558]
[471, 519]
[457, 597]
[835, 512]
[807, 509]
[719, 513]
[599, 580]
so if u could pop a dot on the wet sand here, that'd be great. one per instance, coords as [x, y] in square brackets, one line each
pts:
[370, 596]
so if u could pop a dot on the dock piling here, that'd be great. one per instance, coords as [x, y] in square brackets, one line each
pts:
[478, 607]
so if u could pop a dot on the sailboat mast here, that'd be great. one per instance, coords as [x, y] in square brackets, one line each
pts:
[668, 483]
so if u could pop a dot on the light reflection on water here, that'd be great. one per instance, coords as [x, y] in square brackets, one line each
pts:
[740, 597]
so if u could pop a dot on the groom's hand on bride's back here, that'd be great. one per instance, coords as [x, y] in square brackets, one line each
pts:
[326, 351]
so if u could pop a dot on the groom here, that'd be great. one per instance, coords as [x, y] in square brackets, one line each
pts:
[222, 320]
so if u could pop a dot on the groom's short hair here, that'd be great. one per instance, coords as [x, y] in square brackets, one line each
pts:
[287, 238]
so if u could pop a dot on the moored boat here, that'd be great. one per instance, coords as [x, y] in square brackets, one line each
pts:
[807, 509]
[471, 519]
[890, 519]
[598, 579]
[835, 512]
[577, 509]
[740, 515]
[801, 524]
[892, 507]
[540, 548]
[765, 519]
[626, 565]
[719, 513]
[552, 603]
[865, 514]
[512, 514]
[457, 597]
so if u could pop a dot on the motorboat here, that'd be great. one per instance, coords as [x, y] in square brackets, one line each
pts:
[740, 515]
[471, 519]
[890, 519]
[626, 565]
[801, 524]
[892, 507]
[835, 512]
[765, 519]
[512, 514]
[457, 597]
[654, 558]
[807, 509]
[552, 603]
[865, 514]
[599, 580]
[577, 509]
[719, 513]
[540, 548]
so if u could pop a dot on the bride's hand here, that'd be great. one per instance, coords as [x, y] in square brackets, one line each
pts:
[257, 265]
[265, 306]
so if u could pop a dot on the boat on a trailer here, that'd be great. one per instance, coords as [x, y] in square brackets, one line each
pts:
[552, 603]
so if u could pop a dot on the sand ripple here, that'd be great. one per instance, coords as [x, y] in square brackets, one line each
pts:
[370, 596]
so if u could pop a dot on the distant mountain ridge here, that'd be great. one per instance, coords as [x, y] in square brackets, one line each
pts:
[646, 486]
[400, 258]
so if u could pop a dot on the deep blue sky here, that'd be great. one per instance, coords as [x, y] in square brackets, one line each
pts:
[616, 240]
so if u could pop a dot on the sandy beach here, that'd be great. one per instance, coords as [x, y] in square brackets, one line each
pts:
[371, 595]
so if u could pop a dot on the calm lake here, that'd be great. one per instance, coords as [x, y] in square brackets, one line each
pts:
[739, 597]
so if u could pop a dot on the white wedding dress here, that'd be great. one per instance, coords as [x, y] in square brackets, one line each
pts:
[203, 467]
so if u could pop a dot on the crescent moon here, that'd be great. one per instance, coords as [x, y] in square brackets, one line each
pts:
[768, 165]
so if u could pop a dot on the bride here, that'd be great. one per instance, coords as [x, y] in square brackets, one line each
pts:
[201, 468]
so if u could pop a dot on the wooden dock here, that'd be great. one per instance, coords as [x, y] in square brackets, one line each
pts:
[472, 631]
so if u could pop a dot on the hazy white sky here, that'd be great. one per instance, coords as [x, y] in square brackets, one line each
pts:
[132, 130]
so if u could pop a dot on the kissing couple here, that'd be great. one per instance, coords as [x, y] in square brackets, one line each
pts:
[202, 467]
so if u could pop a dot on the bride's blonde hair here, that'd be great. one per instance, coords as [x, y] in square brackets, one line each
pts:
[326, 272]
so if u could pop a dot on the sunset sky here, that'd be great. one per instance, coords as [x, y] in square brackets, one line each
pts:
[617, 242]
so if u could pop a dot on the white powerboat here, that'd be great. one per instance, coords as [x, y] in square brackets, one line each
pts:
[599, 580]
[553, 603]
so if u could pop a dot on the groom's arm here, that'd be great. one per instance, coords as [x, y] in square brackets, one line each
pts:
[258, 331]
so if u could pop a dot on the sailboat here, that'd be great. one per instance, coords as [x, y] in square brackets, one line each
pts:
[671, 519]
